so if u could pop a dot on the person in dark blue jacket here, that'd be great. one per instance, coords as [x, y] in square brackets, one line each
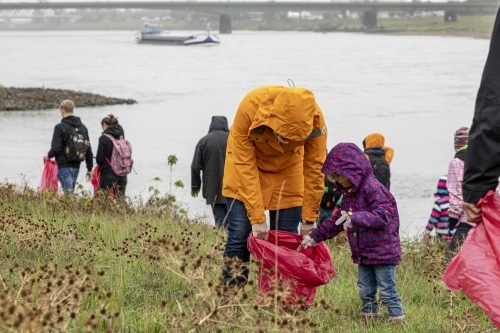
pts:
[209, 157]
[370, 216]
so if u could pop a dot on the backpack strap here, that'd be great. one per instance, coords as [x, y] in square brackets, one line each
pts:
[112, 138]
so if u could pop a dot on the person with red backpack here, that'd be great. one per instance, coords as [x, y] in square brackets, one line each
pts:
[113, 157]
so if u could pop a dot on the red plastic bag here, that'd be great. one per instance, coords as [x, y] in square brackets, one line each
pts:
[283, 267]
[94, 178]
[476, 268]
[49, 176]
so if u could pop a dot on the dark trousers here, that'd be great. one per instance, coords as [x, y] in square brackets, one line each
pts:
[220, 212]
[457, 241]
[109, 181]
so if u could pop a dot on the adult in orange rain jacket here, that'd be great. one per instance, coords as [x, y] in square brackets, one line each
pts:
[274, 155]
[380, 157]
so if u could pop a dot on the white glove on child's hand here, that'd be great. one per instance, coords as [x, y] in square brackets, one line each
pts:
[344, 218]
[306, 242]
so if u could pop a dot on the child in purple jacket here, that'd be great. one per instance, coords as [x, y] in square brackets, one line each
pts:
[370, 216]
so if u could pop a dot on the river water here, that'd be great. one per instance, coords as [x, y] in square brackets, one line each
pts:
[416, 90]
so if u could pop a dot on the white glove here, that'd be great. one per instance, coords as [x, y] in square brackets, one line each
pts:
[306, 242]
[260, 230]
[344, 218]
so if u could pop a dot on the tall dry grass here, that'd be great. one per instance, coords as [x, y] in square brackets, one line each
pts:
[78, 264]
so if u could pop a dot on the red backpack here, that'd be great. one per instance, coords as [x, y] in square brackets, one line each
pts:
[121, 158]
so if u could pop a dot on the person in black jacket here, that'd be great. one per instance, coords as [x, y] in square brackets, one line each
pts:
[482, 162]
[380, 157]
[68, 166]
[108, 180]
[329, 201]
[209, 158]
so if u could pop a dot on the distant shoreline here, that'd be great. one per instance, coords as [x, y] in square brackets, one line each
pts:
[473, 26]
[16, 99]
[478, 35]
[470, 34]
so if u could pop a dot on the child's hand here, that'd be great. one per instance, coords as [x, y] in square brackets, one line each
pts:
[344, 218]
[307, 241]
[427, 237]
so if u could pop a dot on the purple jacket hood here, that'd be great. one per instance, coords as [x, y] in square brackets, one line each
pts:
[348, 160]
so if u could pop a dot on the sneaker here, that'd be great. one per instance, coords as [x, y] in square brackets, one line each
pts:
[369, 318]
[397, 319]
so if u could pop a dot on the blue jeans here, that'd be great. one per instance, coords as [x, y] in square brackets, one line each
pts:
[238, 230]
[67, 177]
[384, 277]
[220, 212]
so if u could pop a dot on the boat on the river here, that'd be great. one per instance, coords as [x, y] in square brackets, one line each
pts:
[154, 34]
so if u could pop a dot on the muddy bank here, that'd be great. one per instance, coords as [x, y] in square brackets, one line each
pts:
[43, 98]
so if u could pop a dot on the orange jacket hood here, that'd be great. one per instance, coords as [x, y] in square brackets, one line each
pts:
[290, 114]
[377, 140]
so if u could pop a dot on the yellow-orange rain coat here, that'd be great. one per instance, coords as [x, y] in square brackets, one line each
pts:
[268, 175]
[378, 140]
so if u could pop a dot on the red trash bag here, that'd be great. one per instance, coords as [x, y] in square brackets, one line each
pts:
[282, 267]
[94, 178]
[476, 268]
[49, 176]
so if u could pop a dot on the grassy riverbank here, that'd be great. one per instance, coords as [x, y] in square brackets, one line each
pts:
[466, 26]
[478, 26]
[78, 264]
[470, 26]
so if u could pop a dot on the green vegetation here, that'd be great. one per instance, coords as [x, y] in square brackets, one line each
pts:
[172, 161]
[474, 26]
[168, 201]
[83, 264]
